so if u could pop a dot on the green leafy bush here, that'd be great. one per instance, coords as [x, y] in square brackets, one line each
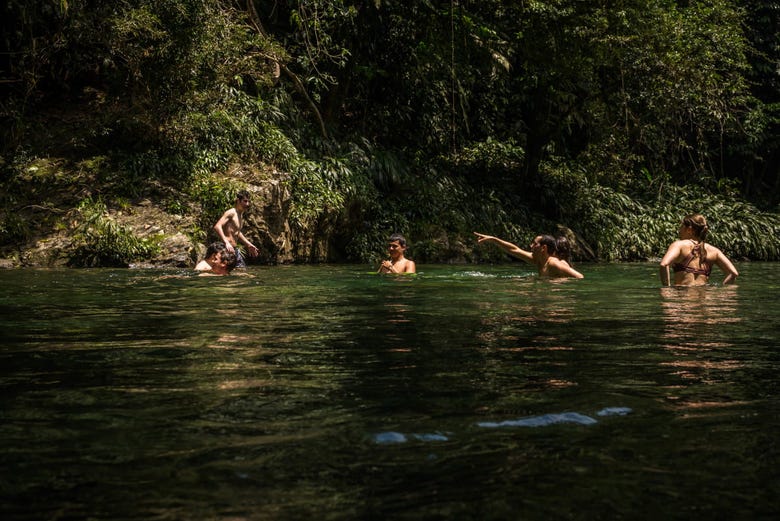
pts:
[620, 227]
[102, 242]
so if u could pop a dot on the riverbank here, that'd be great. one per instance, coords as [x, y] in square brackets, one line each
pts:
[56, 215]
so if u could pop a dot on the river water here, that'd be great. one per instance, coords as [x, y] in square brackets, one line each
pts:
[329, 392]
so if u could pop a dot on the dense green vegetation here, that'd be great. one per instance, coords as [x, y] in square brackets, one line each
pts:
[433, 118]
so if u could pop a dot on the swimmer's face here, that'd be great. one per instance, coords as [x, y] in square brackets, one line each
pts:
[220, 265]
[537, 247]
[395, 249]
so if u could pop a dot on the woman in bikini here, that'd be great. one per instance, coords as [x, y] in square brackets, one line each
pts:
[691, 259]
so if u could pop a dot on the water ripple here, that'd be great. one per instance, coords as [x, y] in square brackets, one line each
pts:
[385, 438]
[542, 420]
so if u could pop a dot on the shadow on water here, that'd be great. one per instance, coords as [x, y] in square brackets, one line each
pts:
[327, 391]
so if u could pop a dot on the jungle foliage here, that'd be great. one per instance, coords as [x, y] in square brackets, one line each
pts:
[103, 242]
[432, 118]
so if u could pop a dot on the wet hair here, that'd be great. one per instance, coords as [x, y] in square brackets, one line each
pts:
[215, 247]
[563, 248]
[398, 237]
[549, 241]
[230, 258]
[699, 224]
[243, 194]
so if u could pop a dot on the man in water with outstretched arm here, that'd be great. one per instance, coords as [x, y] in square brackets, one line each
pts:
[542, 255]
[228, 228]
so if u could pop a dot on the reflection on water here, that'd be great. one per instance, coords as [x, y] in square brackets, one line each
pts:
[328, 392]
[695, 323]
[691, 313]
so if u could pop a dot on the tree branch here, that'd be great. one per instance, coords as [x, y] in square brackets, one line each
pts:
[254, 17]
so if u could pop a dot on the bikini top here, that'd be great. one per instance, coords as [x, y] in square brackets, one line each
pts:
[704, 269]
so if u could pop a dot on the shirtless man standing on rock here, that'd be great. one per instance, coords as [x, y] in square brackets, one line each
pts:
[228, 228]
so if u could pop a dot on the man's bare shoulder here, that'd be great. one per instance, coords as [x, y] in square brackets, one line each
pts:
[203, 266]
[408, 266]
[557, 264]
[561, 268]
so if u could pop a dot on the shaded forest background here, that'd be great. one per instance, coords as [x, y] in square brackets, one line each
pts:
[607, 121]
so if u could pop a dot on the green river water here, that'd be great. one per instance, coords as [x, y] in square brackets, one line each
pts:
[329, 392]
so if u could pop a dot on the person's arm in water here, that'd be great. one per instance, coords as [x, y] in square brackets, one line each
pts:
[511, 249]
[671, 254]
[663, 273]
[725, 264]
